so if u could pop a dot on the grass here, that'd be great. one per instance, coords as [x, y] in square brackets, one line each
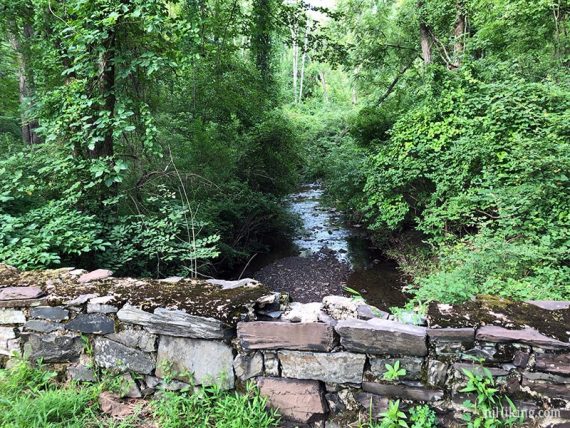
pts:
[32, 397]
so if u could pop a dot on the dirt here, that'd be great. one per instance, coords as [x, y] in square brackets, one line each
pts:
[306, 279]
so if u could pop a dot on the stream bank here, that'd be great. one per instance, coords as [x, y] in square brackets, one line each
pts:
[325, 255]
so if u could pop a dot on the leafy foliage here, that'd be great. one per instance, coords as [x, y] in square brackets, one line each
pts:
[394, 372]
[488, 408]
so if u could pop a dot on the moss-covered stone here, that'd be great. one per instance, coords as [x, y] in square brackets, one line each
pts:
[493, 310]
[196, 297]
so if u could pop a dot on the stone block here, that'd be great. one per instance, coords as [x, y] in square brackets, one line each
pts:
[207, 362]
[436, 373]
[405, 392]
[284, 335]
[81, 373]
[50, 313]
[175, 323]
[248, 366]
[378, 336]
[298, 400]
[337, 367]
[303, 312]
[12, 316]
[139, 339]
[340, 308]
[528, 336]
[52, 347]
[412, 365]
[116, 356]
[91, 324]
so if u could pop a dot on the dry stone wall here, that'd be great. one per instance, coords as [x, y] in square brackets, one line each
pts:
[319, 363]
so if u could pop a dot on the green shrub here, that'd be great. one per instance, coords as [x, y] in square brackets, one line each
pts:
[480, 169]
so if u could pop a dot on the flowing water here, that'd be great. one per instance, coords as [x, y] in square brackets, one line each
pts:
[323, 230]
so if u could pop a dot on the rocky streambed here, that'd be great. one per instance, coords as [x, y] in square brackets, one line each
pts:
[325, 255]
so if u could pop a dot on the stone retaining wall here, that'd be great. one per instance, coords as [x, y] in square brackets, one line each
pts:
[314, 362]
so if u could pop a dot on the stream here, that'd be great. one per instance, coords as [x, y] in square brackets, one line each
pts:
[325, 255]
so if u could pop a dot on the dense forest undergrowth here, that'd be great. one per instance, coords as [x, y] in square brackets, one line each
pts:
[158, 138]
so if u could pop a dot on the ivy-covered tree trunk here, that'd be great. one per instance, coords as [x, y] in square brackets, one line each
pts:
[459, 33]
[25, 83]
[261, 38]
[425, 39]
[106, 84]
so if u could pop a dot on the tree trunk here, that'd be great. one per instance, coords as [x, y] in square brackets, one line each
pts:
[26, 86]
[323, 83]
[459, 33]
[425, 43]
[304, 56]
[106, 84]
[295, 60]
[425, 39]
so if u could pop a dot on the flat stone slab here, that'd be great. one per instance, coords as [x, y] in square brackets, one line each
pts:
[20, 293]
[551, 305]
[91, 324]
[23, 303]
[297, 400]
[529, 336]
[209, 362]
[464, 334]
[547, 388]
[478, 369]
[175, 323]
[230, 285]
[337, 367]
[284, 335]
[95, 275]
[100, 308]
[553, 363]
[405, 392]
[12, 316]
[112, 355]
[51, 313]
[42, 326]
[378, 336]
[52, 347]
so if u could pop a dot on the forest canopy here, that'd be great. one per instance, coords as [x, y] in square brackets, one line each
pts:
[159, 137]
